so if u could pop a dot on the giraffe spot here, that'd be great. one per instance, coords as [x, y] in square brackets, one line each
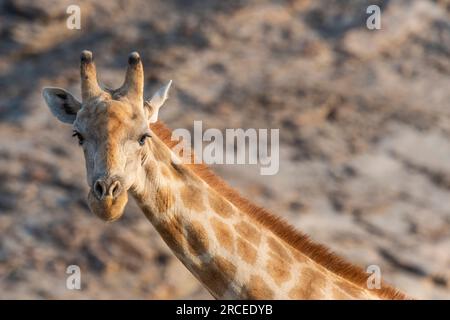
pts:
[257, 289]
[278, 250]
[248, 232]
[220, 205]
[217, 275]
[192, 198]
[298, 256]
[197, 238]
[278, 270]
[160, 154]
[166, 172]
[223, 234]
[180, 172]
[309, 286]
[164, 199]
[172, 234]
[151, 168]
[177, 173]
[246, 251]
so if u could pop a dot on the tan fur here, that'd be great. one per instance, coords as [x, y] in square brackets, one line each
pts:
[249, 232]
[172, 234]
[349, 288]
[309, 286]
[298, 256]
[197, 238]
[276, 268]
[164, 199]
[257, 289]
[192, 198]
[278, 250]
[286, 232]
[220, 205]
[223, 234]
[339, 294]
[166, 172]
[217, 275]
[236, 249]
[246, 251]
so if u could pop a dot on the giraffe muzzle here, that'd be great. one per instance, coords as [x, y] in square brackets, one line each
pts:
[107, 188]
[107, 198]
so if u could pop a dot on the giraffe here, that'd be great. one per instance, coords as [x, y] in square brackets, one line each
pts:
[234, 248]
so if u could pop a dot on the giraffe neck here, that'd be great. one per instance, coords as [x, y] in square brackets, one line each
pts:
[231, 254]
[193, 220]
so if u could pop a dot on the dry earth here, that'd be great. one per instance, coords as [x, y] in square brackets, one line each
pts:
[364, 120]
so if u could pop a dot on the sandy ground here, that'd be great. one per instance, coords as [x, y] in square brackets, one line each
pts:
[364, 121]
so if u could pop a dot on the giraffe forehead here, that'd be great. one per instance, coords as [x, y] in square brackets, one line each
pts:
[110, 117]
[121, 110]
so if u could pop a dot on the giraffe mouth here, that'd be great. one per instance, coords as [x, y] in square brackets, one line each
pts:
[108, 208]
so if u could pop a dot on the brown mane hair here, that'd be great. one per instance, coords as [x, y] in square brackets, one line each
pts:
[281, 228]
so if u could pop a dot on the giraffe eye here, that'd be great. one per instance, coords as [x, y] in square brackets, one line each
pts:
[143, 137]
[79, 136]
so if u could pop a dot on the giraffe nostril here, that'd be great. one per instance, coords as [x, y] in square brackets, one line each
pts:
[107, 187]
[99, 190]
[115, 189]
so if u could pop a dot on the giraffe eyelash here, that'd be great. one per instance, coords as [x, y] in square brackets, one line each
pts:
[79, 136]
[143, 137]
[144, 159]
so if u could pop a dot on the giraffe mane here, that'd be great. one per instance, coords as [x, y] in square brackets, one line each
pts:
[296, 239]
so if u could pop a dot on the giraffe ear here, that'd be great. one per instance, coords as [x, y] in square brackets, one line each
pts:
[155, 103]
[62, 104]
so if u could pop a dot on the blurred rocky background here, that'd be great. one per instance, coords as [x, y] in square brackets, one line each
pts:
[364, 118]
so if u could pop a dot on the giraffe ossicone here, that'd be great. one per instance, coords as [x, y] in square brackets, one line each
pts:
[234, 248]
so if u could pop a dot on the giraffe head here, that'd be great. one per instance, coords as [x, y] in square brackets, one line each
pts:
[112, 127]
